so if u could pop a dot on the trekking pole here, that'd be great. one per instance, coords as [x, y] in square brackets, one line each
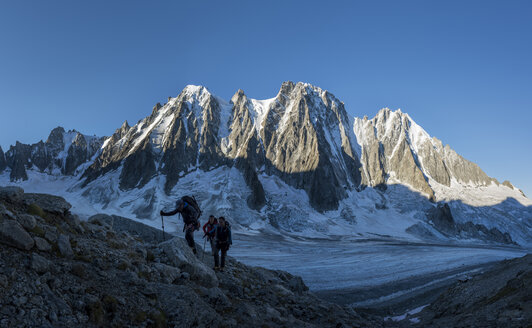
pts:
[162, 222]
[204, 243]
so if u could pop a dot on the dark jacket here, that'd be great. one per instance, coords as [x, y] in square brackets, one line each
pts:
[223, 234]
[188, 213]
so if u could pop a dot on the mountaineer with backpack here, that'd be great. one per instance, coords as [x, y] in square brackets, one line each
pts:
[223, 241]
[190, 211]
[208, 231]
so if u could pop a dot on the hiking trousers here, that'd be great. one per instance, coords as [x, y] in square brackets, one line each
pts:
[189, 236]
[223, 247]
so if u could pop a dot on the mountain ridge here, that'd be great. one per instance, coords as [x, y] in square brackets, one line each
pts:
[302, 140]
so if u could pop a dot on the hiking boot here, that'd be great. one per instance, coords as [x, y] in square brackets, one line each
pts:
[194, 251]
[222, 269]
[216, 268]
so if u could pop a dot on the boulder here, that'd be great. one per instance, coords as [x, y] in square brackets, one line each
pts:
[51, 235]
[63, 243]
[75, 223]
[181, 256]
[12, 234]
[27, 221]
[42, 244]
[217, 298]
[4, 212]
[297, 285]
[11, 194]
[168, 273]
[121, 224]
[39, 264]
[49, 203]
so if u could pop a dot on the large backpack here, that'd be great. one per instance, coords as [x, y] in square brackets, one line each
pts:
[192, 202]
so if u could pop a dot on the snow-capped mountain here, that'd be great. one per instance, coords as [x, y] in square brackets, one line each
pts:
[396, 149]
[303, 135]
[295, 163]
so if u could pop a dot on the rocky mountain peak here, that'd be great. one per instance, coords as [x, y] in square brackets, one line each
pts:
[56, 137]
[238, 97]
[286, 87]
[395, 144]
[124, 128]
[195, 93]
[292, 90]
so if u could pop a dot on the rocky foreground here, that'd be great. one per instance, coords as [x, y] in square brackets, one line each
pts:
[501, 297]
[56, 271]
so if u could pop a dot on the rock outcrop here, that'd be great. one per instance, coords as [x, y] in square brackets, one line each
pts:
[112, 271]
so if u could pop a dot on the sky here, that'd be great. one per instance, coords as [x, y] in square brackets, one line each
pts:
[461, 69]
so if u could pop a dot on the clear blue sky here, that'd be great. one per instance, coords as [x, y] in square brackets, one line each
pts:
[462, 70]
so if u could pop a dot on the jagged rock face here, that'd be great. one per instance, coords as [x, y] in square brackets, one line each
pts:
[55, 142]
[243, 146]
[18, 158]
[40, 157]
[389, 152]
[3, 163]
[465, 171]
[309, 144]
[53, 154]
[77, 154]
[192, 139]
[303, 135]
[106, 161]
[394, 146]
[138, 168]
[176, 138]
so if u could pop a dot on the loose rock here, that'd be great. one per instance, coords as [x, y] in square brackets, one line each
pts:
[63, 243]
[12, 234]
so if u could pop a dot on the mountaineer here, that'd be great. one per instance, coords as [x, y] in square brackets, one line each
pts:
[190, 211]
[208, 231]
[223, 241]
